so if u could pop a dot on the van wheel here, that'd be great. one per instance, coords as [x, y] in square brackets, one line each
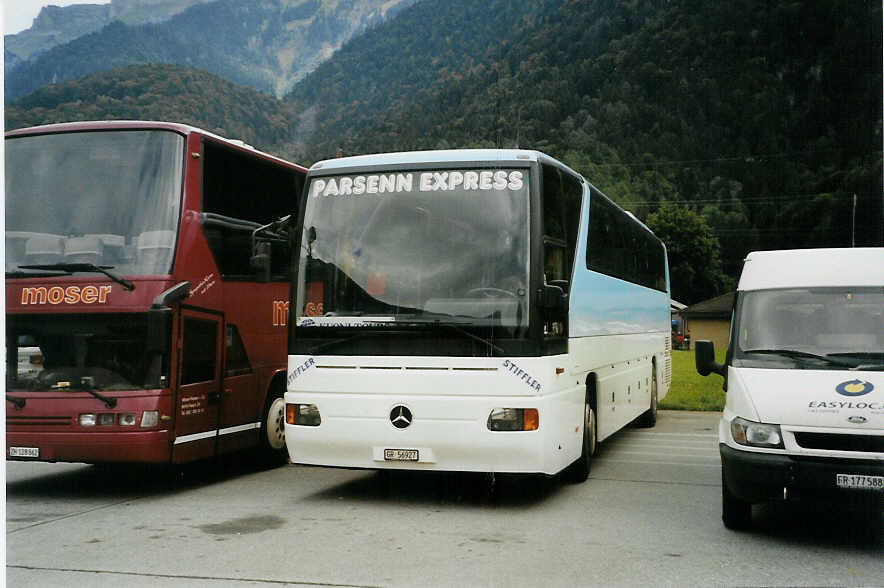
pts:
[273, 448]
[736, 514]
[649, 418]
[578, 471]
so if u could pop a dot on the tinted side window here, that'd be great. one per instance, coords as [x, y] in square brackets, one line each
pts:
[621, 247]
[200, 344]
[241, 193]
[562, 195]
[237, 361]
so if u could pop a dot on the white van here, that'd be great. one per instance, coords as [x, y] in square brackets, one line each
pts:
[804, 378]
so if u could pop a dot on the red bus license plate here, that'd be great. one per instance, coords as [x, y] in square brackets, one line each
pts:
[24, 452]
[400, 455]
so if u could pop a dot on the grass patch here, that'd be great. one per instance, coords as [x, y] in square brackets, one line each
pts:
[690, 390]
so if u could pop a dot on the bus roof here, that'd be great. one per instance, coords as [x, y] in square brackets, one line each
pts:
[445, 156]
[809, 268]
[116, 125]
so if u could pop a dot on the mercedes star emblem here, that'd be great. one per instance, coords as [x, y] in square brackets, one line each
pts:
[400, 416]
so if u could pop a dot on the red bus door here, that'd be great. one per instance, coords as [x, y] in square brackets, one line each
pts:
[199, 385]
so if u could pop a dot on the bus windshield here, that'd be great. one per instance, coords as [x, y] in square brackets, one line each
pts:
[810, 328]
[442, 246]
[77, 352]
[108, 198]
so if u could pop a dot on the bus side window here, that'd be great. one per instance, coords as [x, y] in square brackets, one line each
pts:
[236, 361]
[199, 351]
[241, 192]
[562, 194]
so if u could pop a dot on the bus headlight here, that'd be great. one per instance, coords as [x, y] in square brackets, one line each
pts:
[88, 420]
[127, 419]
[756, 434]
[302, 414]
[513, 419]
[150, 418]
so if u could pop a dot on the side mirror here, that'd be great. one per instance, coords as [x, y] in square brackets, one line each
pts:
[705, 359]
[552, 298]
[159, 330]
[260, 260]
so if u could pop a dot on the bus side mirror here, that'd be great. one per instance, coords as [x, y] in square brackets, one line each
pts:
[260, 260]
[159, 330]
[552, 298]
[704, 355]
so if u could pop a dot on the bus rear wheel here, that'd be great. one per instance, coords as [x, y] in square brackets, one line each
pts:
[649, 418]
[273, 448]
[578, 471]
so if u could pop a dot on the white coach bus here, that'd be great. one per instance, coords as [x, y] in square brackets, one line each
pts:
[470, 310]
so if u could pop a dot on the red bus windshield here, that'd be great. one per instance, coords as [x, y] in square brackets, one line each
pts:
[110, 198]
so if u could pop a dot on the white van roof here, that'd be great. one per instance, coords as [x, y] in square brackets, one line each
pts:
[809, 268]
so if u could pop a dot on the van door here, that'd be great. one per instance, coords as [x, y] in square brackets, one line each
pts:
[199, 384]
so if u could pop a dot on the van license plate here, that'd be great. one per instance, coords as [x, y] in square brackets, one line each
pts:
[860, 482]
[24, 452]
[400, 455]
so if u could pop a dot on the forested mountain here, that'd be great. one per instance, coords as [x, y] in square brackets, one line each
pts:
[56, 25]
[727, 126]
[765, 117]
[161, 92]
[265, 44]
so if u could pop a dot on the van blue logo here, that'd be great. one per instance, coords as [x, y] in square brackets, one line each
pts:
[854, 388]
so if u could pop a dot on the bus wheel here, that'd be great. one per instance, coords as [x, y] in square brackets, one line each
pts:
[578, 471]
[273, 430]
[736, 514]
[649, 417]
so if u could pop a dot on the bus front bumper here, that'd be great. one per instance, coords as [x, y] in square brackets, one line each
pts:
[90, 447]
[446, 434]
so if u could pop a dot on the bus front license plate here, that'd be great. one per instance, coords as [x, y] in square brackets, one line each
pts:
[860, 482]
[400, 455]
[24, 452]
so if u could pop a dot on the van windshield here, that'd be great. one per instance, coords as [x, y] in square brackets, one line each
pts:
[810, 328]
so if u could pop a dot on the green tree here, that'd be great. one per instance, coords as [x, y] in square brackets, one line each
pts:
[694, 263]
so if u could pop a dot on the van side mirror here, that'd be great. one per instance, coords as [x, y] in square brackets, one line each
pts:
[705, 359]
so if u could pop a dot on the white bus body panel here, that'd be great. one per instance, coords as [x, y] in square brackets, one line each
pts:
[450, 399]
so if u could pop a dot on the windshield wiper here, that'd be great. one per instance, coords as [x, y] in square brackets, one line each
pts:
[83, 267]
[18, 403]
[796, 354]
[108, 402]
[862, 355]
[346, 339]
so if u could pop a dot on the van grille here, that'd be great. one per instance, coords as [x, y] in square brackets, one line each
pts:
[839, 442]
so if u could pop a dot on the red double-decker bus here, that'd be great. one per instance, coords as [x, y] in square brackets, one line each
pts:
[146, 293]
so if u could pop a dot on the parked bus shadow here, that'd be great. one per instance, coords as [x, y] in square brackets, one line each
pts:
[859, 524]
[470, 489]
[132, 480]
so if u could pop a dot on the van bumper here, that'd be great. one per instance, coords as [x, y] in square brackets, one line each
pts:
[760, 477]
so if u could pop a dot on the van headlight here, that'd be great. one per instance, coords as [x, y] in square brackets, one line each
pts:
[756, 434]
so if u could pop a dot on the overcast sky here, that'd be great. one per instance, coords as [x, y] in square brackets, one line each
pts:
[18, 15]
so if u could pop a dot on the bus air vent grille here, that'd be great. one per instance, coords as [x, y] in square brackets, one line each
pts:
[29, 421]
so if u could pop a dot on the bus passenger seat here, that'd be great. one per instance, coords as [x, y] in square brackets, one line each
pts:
[155, 249]
[44, 249]
[87, 249]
